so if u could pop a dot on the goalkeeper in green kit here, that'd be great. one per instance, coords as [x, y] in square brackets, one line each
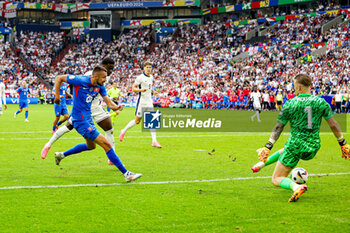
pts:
[304, 113]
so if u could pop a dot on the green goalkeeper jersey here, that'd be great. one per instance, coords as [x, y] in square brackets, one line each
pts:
[305, 113]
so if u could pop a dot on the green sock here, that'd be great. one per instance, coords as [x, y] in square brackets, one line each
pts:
[287, 183]
[272, 158]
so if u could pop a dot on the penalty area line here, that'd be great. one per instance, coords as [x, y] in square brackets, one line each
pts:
[157, 182]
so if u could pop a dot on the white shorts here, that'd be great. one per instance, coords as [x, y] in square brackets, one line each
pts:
[99, 114]
[257, 106]
[141, 107]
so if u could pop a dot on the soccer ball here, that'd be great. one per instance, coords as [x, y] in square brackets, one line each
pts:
[299, 175]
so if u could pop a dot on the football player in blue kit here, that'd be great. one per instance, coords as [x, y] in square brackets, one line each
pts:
[61, 109]
[85, 89]
[23, 100]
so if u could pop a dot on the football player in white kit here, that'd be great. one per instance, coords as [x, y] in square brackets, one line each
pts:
[99, 114]
[2, 96]
[143, 86]
[256, 97]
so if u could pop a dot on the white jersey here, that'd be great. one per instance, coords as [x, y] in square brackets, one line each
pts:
[145, 82]
[266, 97]
[256, 97]
[256, 100]
[2, 94]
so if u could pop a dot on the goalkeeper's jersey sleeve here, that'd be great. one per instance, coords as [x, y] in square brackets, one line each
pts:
[305, 113]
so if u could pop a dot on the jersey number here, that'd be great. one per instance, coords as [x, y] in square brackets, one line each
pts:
[309, 116]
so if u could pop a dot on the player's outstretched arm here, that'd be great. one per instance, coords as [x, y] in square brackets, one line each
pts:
[345, 148]
[264, 152]
[112, 105]
[58, 81]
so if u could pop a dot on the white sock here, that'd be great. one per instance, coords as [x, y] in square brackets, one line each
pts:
[253, 116]
[295, 186]
[129, 125]
[258, 115]
[154, 136]
[110, 138]
[59, 133]
[260, 164]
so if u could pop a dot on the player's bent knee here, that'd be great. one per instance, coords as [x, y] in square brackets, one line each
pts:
[275, 181]
[69, 126]
[91, 146]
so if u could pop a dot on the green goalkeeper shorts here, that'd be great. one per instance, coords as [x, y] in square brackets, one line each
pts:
[295, 150]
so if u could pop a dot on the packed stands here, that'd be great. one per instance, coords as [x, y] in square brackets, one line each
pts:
[194, 66]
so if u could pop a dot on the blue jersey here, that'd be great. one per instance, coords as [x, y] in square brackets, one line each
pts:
[83, 95]
[23, 94]
[226, 99]
[63, 93]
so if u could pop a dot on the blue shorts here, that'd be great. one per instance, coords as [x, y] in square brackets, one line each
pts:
[61, 110]
[23, 104]
[86, 128]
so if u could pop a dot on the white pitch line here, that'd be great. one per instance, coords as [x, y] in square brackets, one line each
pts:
[139, 131]
[25, 132]
[139, 137]
[166, 136]
[158, 182]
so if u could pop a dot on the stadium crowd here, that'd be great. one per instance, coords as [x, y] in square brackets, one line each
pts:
[39, 49]
[194, 66]
[13, 71]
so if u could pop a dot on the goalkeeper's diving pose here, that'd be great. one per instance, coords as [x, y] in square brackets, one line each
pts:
[304, 113]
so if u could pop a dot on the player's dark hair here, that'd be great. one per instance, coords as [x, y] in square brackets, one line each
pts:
[98, 69]
[304, 80]
[108, 61]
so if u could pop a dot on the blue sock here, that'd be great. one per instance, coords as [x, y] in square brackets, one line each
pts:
[116, 161]
[26, 114]
[108, 109]
[18, 112]
[76, 149]
[59, 123]
[53, 128]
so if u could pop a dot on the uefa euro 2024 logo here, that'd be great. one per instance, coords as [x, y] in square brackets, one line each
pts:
[151, 119]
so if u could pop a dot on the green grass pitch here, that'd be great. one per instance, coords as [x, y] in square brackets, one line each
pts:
[232, 205]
